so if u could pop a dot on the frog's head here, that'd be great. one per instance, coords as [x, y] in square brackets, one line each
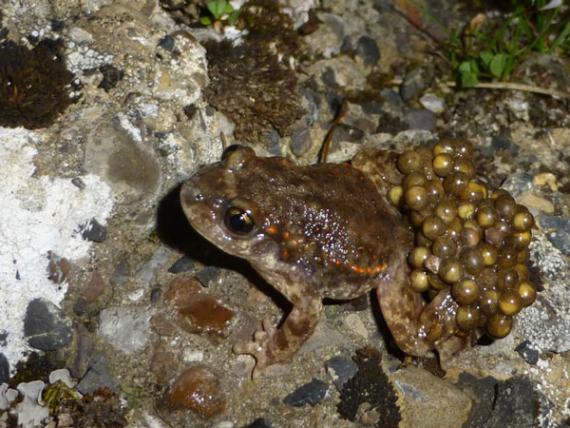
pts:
[226, 202]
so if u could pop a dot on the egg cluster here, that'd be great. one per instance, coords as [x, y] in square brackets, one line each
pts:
[467, 238]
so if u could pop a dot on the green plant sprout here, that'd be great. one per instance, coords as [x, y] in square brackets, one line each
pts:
[491, 48]
[220, 11]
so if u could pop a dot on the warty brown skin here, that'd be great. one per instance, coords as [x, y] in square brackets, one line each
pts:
[319, 231]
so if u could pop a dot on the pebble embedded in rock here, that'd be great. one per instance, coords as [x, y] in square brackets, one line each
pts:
[93, 231]
[46, 327]
[96, 377]
[300, 140]
[341, 369]
[111, 76]
[58, 268]
[367, 49]
[183, 264]
[433, 103]
[125, 328]
[198, 311]
[414, 83]
[198, 389]
[527, 352]
[95, 287]
[4, 369]
[207, 275]
[421, 119]
[350, 134]
[259, 423]
[311, 393]
[557, 231]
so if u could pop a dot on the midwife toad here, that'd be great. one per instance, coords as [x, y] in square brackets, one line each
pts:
[312, 232]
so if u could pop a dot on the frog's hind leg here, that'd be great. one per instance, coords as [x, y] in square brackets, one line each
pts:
[275, 345]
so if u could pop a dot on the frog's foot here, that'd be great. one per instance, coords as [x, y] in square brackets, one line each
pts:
[259, 348]
[276, 345]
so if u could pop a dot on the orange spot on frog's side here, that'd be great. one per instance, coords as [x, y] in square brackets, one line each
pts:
[272, 230]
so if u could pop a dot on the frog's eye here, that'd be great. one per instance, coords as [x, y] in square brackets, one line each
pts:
[239, 221]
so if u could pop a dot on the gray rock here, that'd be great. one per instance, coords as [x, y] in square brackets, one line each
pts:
[518, 183]
[126, 329]
[93, 231]
[413, 85]
[83, 353]
[433, 103]
[97, 376]
[146, 272]
[183, 264]
[207, 275]
[4, 369]
[311, 393]
[557, 231]
[347, 133]
[300, 141]
[341, 369]
[421, 119]
[46, 327]
[527, 352]
[367, 49]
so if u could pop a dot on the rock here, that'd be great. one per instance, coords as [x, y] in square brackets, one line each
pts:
[183, 264]
[207, 275]
[198, 389]
[146, 272]
[429, 401]
[341, 369]
[198, 311]
[259, 423]
[557, 231]
[367, 49]
[7, 396]
[95, 287]
[347, 133]
[166, 43]
[125, 328]
[499, 142]
[93, 231]
[369, 397]
[4, 369]
[58, 268]
[510, 403]
[413, 84]
[80, 306]
[111, 76]
[96, 377]
[518, 183]
[311, 393]
[421, 119]
[433, 103]
[46, 327]
[527, 352]
[163, 364]
[301, 140]
[83, 353]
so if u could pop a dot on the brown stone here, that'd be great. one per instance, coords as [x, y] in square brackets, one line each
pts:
[162, 325]
[198, 311]
[95, 287]
[163, 364]
[58, 268]
[198, 389]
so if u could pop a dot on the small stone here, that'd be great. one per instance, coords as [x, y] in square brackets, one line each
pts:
[183, 264]
[259, 423]
[198, 389]
[97, 376]
[300, 141]
[125, 328]
[198, 311]
[527, 352]
[95, 287]
[166, 43]
[413, 85]
[347, 133]
[83, 353]
[207, 275]
[93, 231]
[518, 183]
[432, 103]
[163, 364]
[58, 268]
[80, 307]
[162, 325]
[78, 182]
[341, 369]
[503, 143]
[4, 369]
[557, 230]
[367, 49]
[311, 393]
[121, 274]
[111, 76]
[146, 272]
[46, 326]
[421, 119]
[7, 396]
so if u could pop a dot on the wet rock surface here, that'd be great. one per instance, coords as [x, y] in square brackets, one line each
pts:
[110, 106]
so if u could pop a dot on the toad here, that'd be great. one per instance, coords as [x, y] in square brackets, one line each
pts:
[333, 231]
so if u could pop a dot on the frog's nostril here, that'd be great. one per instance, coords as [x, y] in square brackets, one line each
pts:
[191, 194]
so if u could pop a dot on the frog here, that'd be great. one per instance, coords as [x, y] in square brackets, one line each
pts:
[315, 232]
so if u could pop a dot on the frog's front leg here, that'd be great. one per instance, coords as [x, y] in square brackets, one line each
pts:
[275, 345]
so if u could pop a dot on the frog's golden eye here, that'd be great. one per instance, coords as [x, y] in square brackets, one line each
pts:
[239, 221]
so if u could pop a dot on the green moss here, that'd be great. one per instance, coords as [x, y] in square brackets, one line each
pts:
[33, 84]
